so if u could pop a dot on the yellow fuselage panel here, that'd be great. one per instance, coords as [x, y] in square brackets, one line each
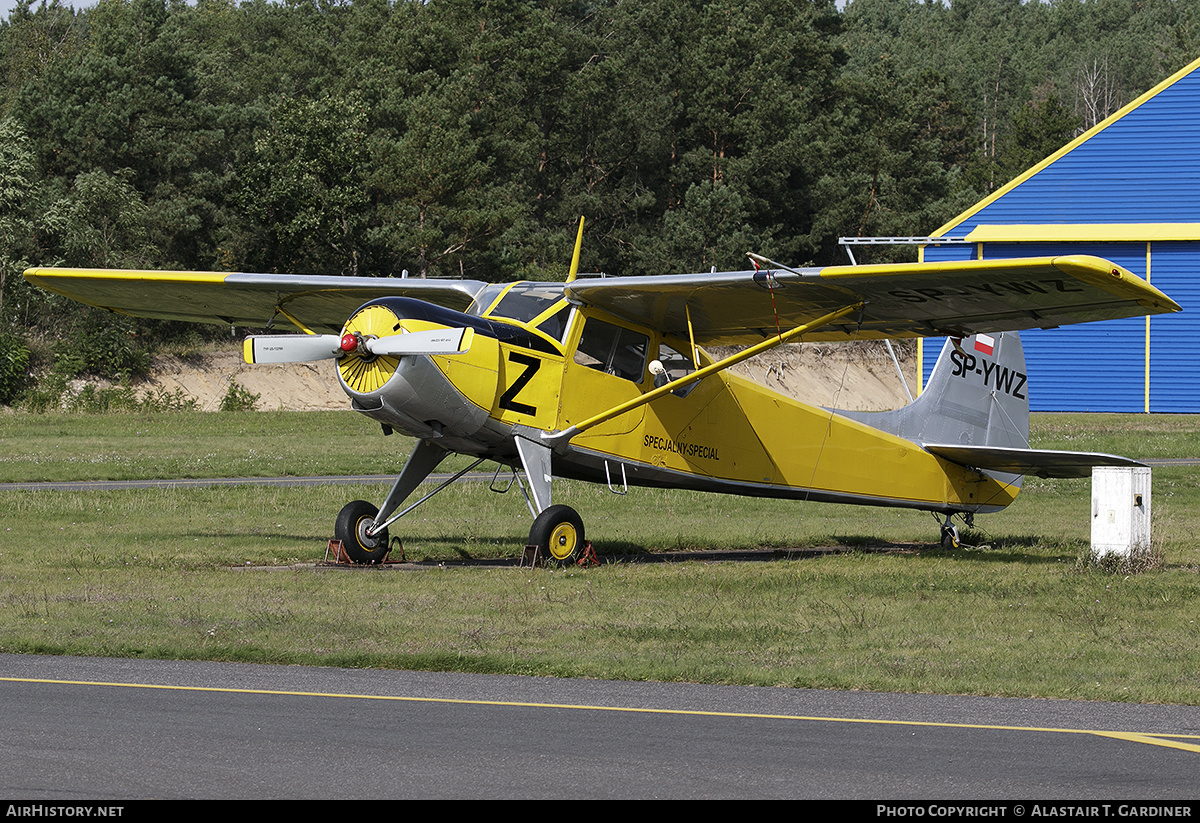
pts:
[513, 384]
[705, 433]
[586, 392]
[819, 449]
[527, 388]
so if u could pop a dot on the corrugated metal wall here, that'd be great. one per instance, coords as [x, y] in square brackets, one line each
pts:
[1174, 377]
[1140, 167]
[1092, 367]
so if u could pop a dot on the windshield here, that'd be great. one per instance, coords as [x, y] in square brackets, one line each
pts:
[525, 301]
[485, 298]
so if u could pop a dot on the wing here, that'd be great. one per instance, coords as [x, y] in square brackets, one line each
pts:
[900, 300]
[1037, 462]
[321, 303]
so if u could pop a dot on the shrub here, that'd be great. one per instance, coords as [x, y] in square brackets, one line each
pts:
[239, 398]
[104, 349]
[46, 394]
[14, 366]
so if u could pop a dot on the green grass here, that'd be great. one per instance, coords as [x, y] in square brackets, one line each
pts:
[61, 447]
[180, 573]
[1142, 436]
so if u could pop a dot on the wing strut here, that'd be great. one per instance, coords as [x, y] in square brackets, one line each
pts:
[558, 438]
[292, 320]
[691, 334]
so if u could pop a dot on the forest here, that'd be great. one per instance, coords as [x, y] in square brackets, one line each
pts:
[465, 138]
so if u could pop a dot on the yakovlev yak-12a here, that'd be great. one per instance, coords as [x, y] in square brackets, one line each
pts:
[606, 380]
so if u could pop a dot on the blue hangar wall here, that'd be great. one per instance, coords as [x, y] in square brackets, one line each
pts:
[1127, 190]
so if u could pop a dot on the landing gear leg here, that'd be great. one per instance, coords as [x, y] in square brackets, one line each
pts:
[362, 540]
[557, 530]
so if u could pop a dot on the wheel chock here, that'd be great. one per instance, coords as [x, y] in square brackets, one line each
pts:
[337, 551]
[531, 556]
[588, 556]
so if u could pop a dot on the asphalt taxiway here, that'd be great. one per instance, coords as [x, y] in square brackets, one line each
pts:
[110, 729]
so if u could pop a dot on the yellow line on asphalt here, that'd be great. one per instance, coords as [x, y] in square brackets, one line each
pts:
[1155, 739]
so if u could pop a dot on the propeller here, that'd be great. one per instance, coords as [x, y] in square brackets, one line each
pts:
[291, 348]
[305, 348]
[431, 341]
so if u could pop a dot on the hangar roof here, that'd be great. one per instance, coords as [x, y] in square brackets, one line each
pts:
[1140, 169]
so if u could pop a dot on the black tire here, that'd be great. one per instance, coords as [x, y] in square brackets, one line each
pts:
[558, 534]
[352, 523]
[950, 537]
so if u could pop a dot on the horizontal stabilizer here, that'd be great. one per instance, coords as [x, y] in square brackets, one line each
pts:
[1036, 462]
[290, 348]
[432, 341]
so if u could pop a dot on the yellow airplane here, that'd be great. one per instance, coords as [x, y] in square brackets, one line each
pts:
[606, 380]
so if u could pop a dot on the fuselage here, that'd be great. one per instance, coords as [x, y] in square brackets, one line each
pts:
[536, 361]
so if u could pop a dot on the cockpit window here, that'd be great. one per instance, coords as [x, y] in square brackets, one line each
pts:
[485, 298]
[613, 350]
[556, 324]
[525, 301]
[675, 366]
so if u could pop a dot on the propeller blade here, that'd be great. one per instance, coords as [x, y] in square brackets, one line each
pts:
[432, 341]
[291, 348]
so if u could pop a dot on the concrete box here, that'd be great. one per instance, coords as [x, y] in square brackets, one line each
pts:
[1120, 510]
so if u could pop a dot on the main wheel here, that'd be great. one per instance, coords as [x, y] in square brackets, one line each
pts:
[558, 534]
[352, 523]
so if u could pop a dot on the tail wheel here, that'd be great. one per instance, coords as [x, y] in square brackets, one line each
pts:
[352, 523]
[950, 537]
[558, 533]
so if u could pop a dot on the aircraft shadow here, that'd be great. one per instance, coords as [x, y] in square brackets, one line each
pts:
[975, 548]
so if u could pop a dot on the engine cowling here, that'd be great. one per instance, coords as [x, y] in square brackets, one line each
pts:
[408, 391]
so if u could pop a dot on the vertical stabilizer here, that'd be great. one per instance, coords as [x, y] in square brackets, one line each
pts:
[978, 395]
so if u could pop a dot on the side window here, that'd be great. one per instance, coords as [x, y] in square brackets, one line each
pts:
[675, 365]
[613, 350]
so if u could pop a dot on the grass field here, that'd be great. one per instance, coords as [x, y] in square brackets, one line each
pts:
[226, 573]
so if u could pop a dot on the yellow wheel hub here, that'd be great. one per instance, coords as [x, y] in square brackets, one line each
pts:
[363, 372]
[563, 541]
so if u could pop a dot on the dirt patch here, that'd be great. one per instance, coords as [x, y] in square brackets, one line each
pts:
[287, 386]
[853, 376]
[858, 376]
